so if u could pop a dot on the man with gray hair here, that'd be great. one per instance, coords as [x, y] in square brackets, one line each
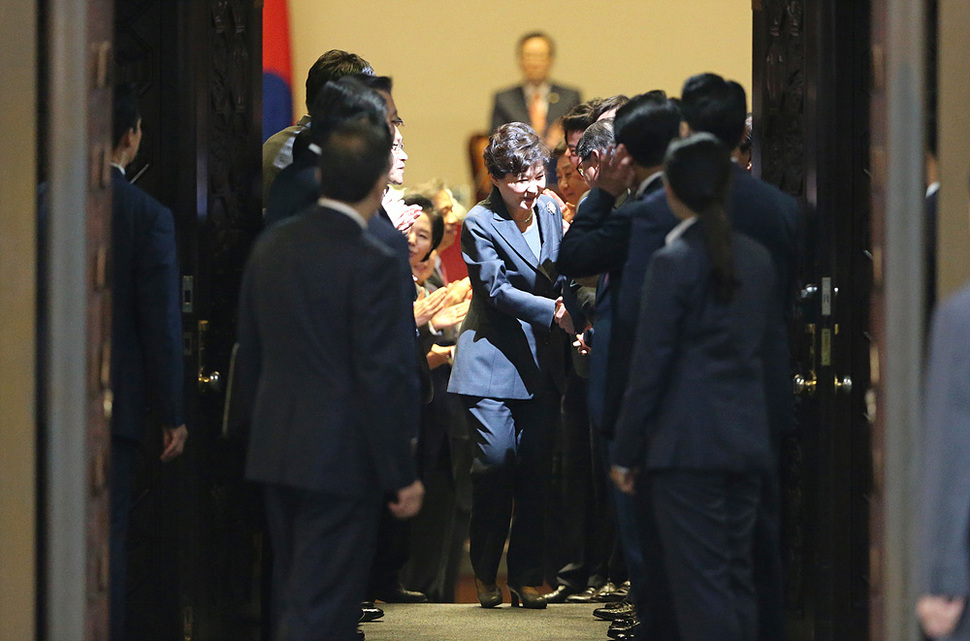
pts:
[592, 148]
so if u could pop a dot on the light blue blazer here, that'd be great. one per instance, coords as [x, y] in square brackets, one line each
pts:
[509, 345]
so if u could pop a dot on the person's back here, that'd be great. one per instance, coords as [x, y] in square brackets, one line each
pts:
[307, 291]
[712, 413]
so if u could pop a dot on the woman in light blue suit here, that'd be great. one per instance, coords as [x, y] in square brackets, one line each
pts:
[509, 362]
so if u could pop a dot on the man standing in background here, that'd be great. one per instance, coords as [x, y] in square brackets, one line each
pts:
[536, 101]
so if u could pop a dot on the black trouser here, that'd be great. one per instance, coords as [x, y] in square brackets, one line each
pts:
[124, 454]
[585, 532]
[769, 578]
[513, 451]
[322, 550]
[706, 522]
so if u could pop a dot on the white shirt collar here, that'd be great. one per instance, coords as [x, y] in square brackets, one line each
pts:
[679, 230]
[932, 189]
[343, 208]
[647, 182]
[122, 169]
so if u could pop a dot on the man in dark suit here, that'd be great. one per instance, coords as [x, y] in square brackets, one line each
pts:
[598, 242]
[536, 101]
[146, 334]
[326, 363]
[769, 216]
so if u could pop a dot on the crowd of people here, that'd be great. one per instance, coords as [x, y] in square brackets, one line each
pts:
[600, 399]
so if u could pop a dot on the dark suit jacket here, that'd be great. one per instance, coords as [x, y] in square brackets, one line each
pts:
[146, 316]
[509, 105]
[294, 189]
[509, 343]
[756, 209]
[325, 360]
[945, 488]
[381, 228]
[696, 393]
[597, 243]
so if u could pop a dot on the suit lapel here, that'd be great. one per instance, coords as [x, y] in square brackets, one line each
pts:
[545, 216]
[508, 230]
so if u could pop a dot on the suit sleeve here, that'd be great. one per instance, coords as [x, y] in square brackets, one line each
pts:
[663, 306]
[946, 479]
[597, 239]
[383, 362]
[160, 316]
[485, 266]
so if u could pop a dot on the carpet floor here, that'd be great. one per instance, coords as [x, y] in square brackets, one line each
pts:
[468, 622]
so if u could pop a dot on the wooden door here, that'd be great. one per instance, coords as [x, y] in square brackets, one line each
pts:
[811, 104]
[196, 535]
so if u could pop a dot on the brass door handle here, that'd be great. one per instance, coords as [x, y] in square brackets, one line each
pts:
[843, 385]
[804, 386]
[212, 382]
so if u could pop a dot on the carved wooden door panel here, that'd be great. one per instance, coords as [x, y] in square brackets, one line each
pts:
[196, 534]
[811, 106]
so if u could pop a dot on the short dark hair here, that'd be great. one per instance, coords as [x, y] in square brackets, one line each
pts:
[645, 126]
[377, 83]
[715, 105]
[537, 34]
[598, 136]
[613, 102]
[436, 219]
[513, 149]
[333, 65]
[125, 113]
[341, 100]
[580, 117]
[354, 157]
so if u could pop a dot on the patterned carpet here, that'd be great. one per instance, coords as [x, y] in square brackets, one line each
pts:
[466, 622]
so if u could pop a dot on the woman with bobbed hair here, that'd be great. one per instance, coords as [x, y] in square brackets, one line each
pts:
[509, 362]
[694, 419]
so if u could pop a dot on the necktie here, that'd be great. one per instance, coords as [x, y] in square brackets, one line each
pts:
[537, 114]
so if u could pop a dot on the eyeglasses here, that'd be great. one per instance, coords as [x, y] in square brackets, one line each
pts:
[398, 146]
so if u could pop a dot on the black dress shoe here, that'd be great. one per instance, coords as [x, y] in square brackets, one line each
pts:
[560, 594]
[630, 627]
[613, 611]
[609, 593]
[625, 634]
[360, 635]
[528, 595]
[586, 596]
[369, 612]
[400, 595]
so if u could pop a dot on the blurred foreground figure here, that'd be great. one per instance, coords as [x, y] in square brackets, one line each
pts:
[327, 364]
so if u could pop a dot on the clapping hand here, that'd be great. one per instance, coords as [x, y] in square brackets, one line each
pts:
[459, 290]
[427, 305]
[401, 215]
[450, 316]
